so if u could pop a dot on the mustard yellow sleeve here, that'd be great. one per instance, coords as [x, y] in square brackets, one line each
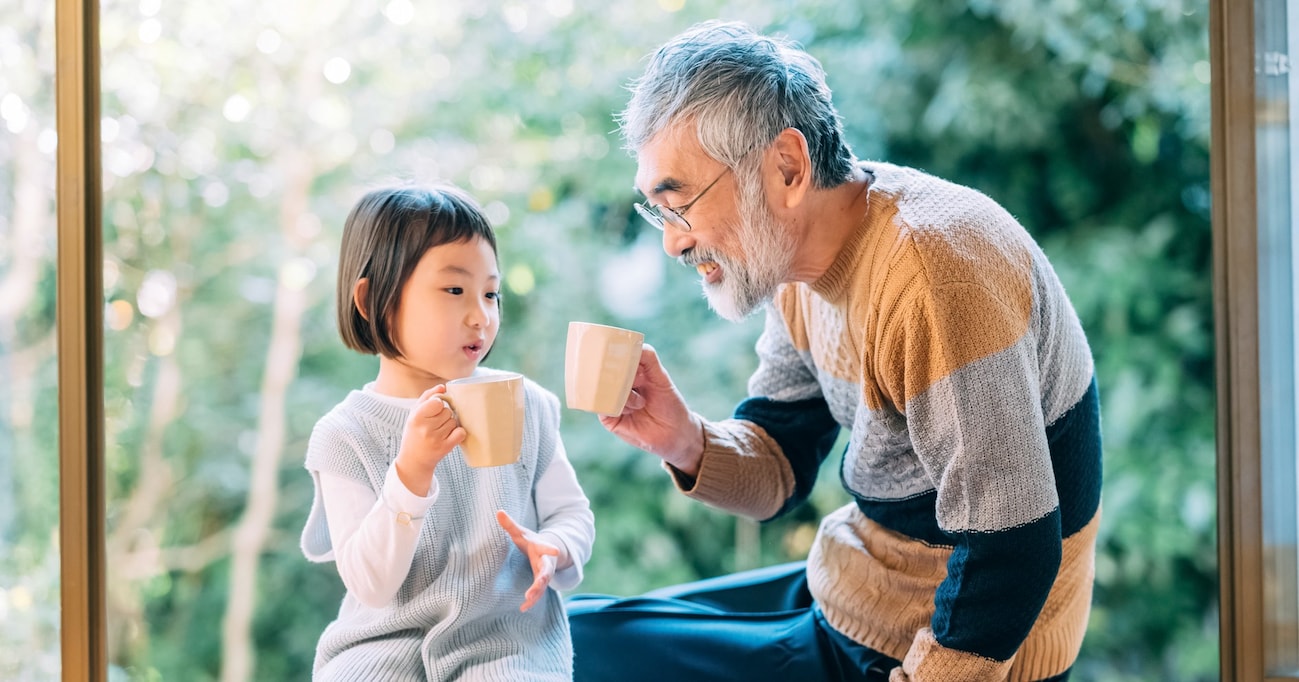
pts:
[743, 470]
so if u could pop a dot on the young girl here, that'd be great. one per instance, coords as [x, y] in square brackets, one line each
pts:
[446, 566]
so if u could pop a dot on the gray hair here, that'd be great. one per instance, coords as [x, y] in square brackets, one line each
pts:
[741, 89]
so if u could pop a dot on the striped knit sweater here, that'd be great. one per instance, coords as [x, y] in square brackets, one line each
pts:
[942, 339]
[457, 615]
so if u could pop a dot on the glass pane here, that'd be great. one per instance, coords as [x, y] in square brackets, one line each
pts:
[1277, 36]
[231, 159]
[237, 134]
[29, 495]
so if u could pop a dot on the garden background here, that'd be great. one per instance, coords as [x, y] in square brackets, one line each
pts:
[237, 134]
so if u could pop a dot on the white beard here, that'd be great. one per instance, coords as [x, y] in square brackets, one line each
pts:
[767, 250]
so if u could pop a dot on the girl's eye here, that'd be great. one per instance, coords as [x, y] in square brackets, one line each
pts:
[455, 291]
[494, 295]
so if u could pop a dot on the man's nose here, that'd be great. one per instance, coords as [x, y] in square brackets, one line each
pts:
[676, 242]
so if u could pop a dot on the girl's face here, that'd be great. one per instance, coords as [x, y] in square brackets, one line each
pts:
[446, 320]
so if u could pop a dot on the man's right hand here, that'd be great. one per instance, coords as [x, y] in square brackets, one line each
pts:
[656, 418]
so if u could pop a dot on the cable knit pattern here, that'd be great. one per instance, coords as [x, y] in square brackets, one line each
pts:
[944, 341]
[457, 614]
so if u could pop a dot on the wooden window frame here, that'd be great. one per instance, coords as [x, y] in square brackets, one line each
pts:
[79, 317]
[1234, 188]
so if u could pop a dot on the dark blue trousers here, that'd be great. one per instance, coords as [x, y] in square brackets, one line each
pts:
[751, 626]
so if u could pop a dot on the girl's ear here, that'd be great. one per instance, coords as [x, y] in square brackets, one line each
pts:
[358, 297]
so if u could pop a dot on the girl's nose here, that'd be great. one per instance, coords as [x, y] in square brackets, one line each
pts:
[480, 314]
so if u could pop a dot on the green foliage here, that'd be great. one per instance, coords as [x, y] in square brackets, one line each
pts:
[233, 162]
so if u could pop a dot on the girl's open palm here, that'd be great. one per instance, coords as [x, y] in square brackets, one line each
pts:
[541, 554]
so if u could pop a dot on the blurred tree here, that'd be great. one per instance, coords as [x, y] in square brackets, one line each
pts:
[238, 134]
[29, 562]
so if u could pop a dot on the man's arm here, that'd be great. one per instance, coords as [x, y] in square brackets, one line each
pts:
[764, 461]
[758, 464]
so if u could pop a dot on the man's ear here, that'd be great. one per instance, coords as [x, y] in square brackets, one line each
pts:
[794, 166]
[359, 292]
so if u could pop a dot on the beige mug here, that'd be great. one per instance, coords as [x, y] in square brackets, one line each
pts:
[599, 366]
[490, 408]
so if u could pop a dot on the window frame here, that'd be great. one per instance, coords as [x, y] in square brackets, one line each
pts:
[1234, 187]
[79, 320]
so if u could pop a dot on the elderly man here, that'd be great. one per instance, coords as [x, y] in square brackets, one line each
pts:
[914, 312]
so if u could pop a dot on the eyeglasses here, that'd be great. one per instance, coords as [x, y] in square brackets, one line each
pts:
[658, 216]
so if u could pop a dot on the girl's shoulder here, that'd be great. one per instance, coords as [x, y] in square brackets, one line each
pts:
[366, 406]
[359, 416]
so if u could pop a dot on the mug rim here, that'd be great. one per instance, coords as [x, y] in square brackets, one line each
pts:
[484, 379]
[604, 326]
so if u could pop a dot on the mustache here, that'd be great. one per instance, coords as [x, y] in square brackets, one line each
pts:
[694, 258]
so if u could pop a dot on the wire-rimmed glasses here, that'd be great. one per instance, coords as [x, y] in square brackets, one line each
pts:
[658, 216]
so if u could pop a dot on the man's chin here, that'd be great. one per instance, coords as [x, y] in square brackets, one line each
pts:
[727, 306]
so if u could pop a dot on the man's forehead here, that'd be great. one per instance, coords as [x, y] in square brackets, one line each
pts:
[668, 160]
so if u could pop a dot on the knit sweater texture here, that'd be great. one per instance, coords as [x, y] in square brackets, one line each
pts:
[942, 339]
[457, 614]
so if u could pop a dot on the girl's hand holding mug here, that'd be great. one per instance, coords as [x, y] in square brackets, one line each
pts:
[431, 432]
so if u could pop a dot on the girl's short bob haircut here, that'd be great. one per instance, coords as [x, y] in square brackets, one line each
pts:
[385, 236]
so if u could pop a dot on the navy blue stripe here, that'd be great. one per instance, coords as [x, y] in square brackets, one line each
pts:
[1075, 441]
[996, 585]
[805, 431]
[915, 517]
